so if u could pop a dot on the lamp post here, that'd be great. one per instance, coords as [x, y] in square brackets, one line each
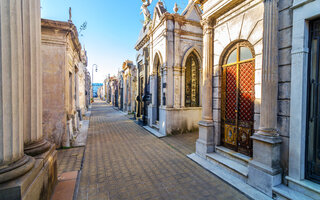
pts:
[94, 65]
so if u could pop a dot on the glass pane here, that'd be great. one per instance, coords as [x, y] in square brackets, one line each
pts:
[232, 57]
[245, 53]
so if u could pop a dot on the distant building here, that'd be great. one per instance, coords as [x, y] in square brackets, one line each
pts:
[95, 87]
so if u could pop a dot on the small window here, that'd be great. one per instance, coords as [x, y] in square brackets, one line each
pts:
[245, 53]
[232, 57]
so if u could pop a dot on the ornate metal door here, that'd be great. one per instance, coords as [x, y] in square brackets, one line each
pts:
[192, 81]
[238, 97]
[313, 115]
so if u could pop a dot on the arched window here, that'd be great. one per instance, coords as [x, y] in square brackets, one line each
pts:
[192, 81]
[237, 98]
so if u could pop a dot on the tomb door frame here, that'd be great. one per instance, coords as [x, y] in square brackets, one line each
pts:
[237, 98]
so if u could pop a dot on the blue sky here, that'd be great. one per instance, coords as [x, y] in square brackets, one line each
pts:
[112, 28]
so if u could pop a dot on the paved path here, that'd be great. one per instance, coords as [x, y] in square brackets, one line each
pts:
[124, 161]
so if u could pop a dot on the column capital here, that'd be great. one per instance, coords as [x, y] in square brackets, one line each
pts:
[207, 22]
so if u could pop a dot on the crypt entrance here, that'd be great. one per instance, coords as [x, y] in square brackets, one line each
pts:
[237, 97]
[192, 81]
[158, 83]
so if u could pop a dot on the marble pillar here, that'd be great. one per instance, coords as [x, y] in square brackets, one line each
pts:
[154, 97]
[183, 87]
[177, 67]
[34, 142]
[170, 68]
[13, 161]
[205, 142]
[264, 169]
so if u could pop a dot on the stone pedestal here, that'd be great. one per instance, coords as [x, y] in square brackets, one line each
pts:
[38, 183]
[205, 143]
[264, 169]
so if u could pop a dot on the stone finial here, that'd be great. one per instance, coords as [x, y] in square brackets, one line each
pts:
[175, 9]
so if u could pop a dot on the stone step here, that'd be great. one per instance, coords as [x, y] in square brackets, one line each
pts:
[233, 155]
[154, 132]
[305, 187]
[282, 192]
[156, 126]
[234, 168]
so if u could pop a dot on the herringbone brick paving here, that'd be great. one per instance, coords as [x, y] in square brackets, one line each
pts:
[123, 161]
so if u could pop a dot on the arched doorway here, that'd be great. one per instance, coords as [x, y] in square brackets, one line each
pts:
[192, 81]
[158, 76]
[237, 98]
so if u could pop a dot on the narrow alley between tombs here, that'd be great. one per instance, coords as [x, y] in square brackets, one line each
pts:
[124, 161]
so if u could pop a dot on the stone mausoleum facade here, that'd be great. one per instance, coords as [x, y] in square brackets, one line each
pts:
[259, 126]
[62, 61]
[169, 70]
[129, 86]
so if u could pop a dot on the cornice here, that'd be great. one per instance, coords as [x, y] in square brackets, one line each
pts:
[142, 42]
[67, 27]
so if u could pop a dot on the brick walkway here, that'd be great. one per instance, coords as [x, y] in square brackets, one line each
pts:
[184, 143]
[69, 159]
[123, 161]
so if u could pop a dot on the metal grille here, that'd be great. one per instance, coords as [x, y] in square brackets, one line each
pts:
[238, 95]
[231, 92]
[246, 96]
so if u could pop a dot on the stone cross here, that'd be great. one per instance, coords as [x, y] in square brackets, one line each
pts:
[70, 15]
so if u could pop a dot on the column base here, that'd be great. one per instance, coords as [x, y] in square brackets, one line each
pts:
[37, 183]
[37, 148]
[16, 169]
[264, 170]
[205, 143]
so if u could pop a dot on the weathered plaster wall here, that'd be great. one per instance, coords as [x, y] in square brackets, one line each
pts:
[54, 115]
[82, 90]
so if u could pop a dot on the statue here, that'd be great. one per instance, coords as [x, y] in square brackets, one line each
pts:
[145, 10]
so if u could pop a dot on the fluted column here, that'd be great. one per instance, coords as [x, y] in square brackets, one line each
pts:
[266, 141]
[13, 161]
[207, 112]
[32, 79]
[205, 143]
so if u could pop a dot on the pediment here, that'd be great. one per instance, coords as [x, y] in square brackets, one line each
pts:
[192, 12]
[158, 12]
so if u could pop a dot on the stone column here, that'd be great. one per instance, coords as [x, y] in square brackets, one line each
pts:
[34, 142]
[169, 62]
[205, 143]
[13, 161]
[177, 67]
[183, 87]
[264, 169]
